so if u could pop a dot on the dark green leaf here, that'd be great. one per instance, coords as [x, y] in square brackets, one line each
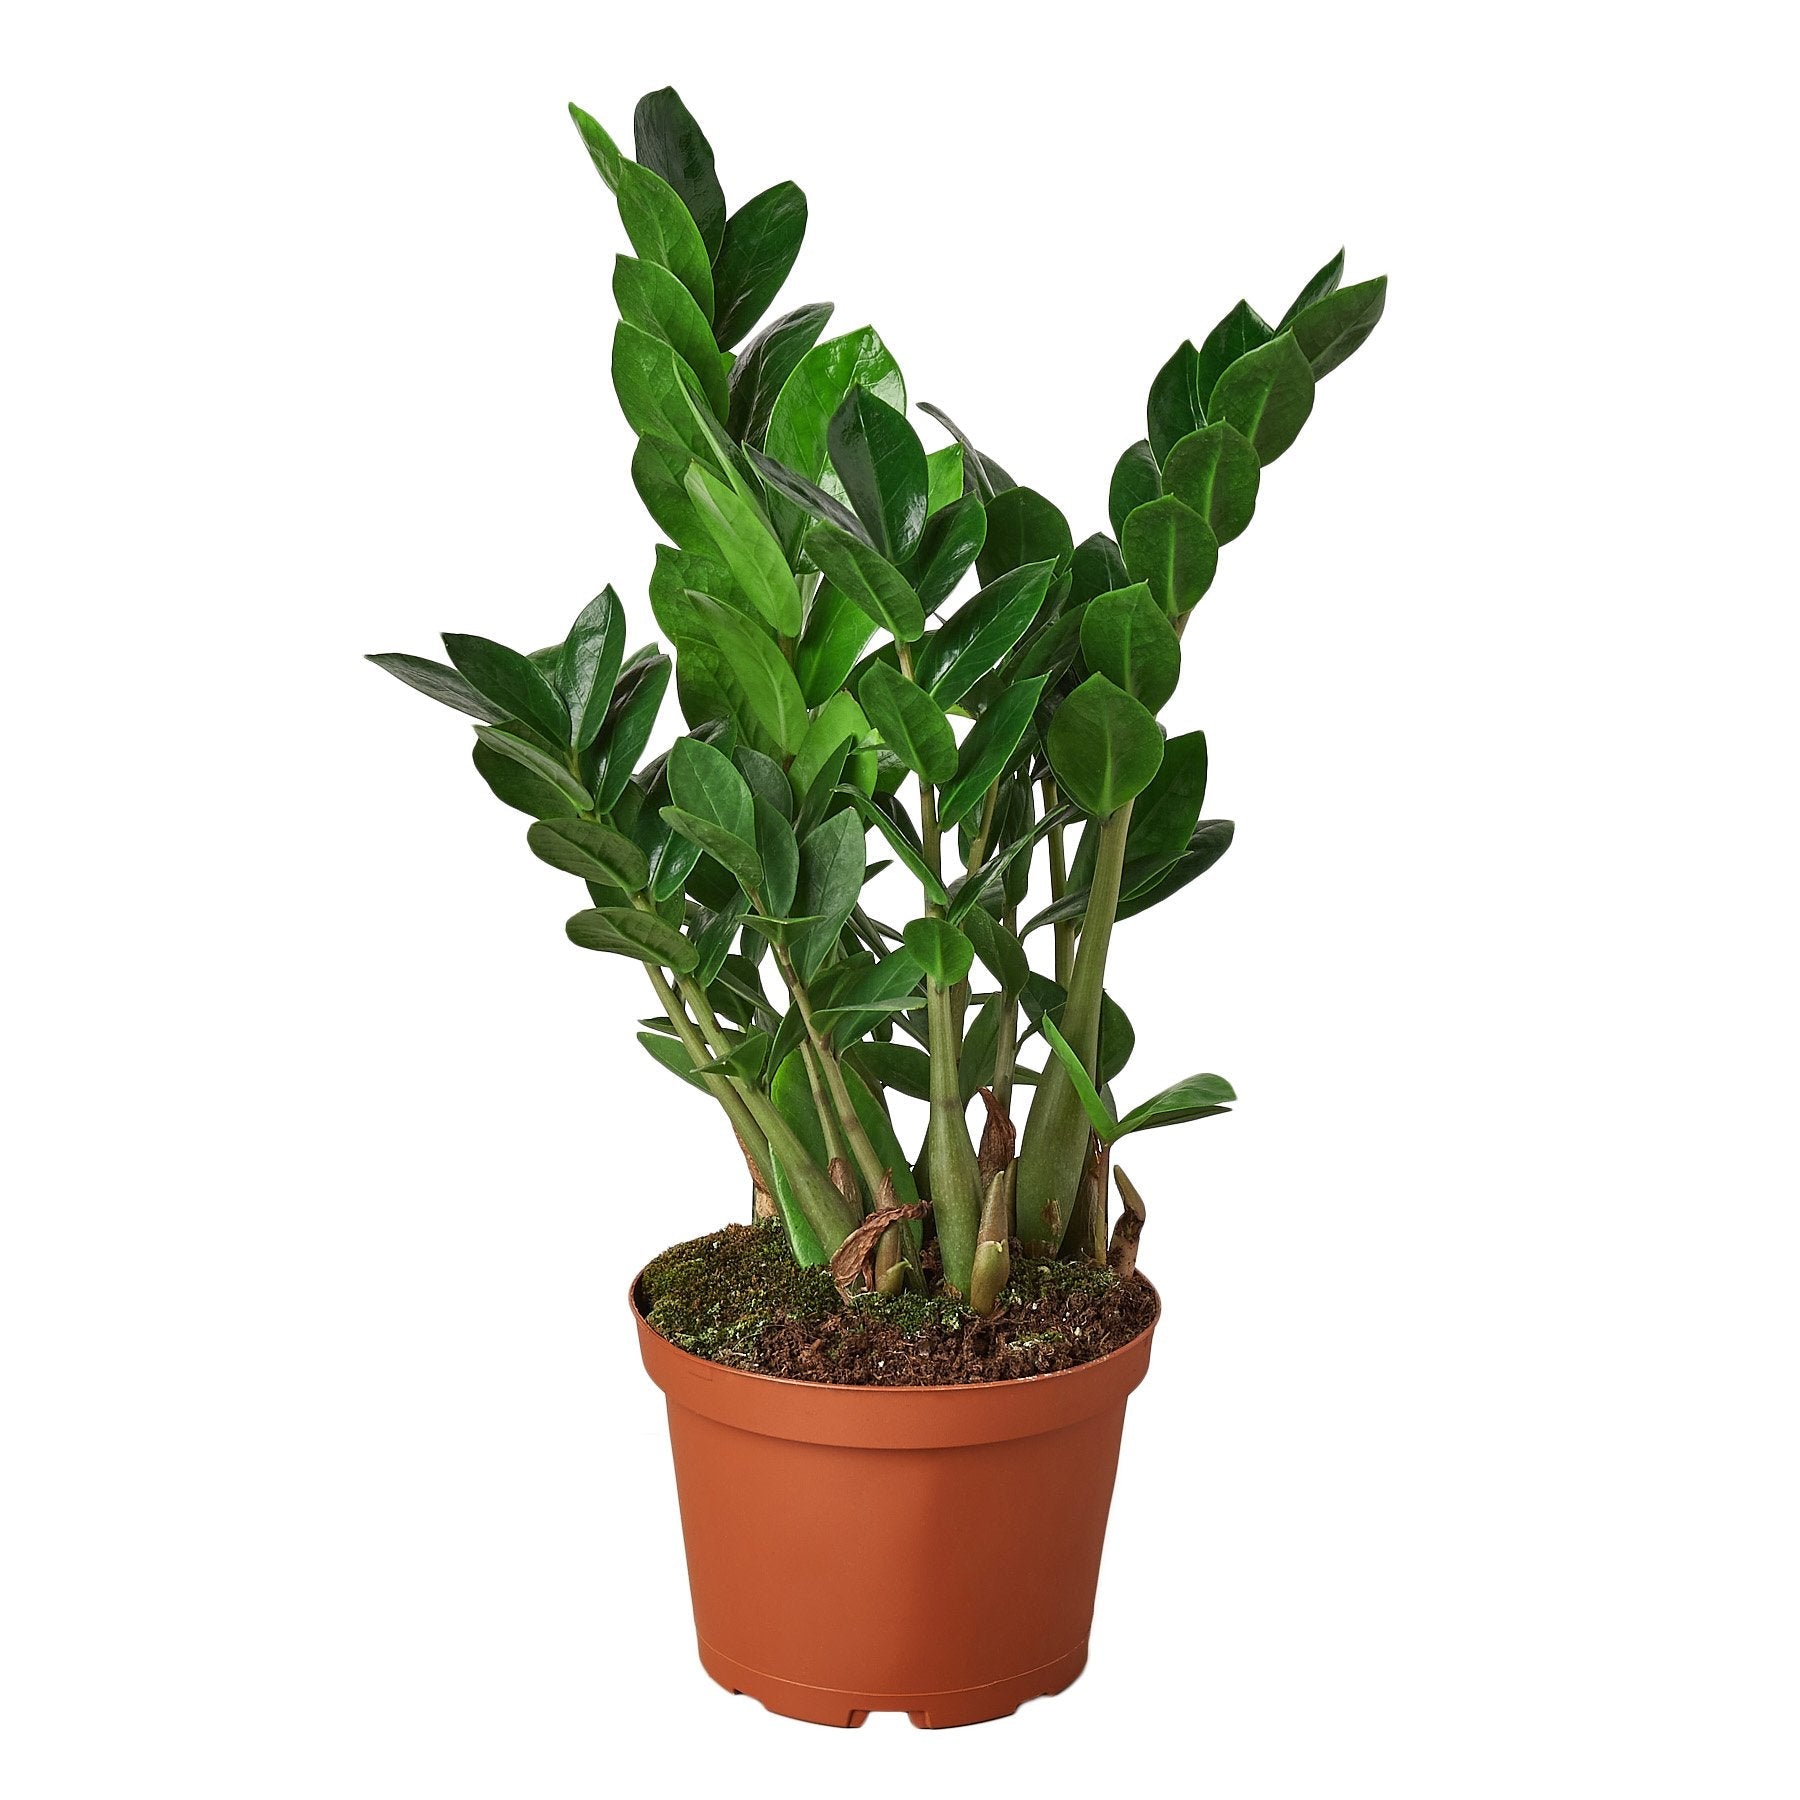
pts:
[873, 993]
[1198, 1097]
[988, 749]
[744, 1060]
[545, 768]
[1096, 568]
[646, 376]
[1267, 395]
[865, 576]
[442, 684]
[590, 851]
[899, 1066]
[1215, 472]
[513, 682]
[705, 783]
[768, 682]
[588, 667]
[636, 701]
[880, 461]
[762, 238]
[779, 852]
[1166, 812]
[1136, 481]
[832, 862]
[1126, 637]
[987, 475]
[659, 473]
[663, 231]
[514, 785]
[1237, 334]
[839, 724]
[1177, 402]
[770, 358]
[975, 1064]
[765, 778]
[744, 540]
[1334, 328]
[1105, 1126]
[940, 950]
[981, 631]
[1323, 283]
[605, 153]
[902, 843]
[1018, 836]
[911, 723]
[949, 544]
[808, 496]
[650, 298]
[670, 142]
[836, 631]
[1172, 548]
[1023, 528]
[1002, 955]
[1211, 839]
[625, 931]
[668, 1052]
[1104, 746]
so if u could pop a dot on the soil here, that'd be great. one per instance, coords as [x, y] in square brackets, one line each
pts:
[736, 1296]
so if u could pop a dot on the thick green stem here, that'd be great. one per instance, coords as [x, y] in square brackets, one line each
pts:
[1006, 1043]
[1052, 1153]
[1059, 881]
[867, 1157]
[955, 1180]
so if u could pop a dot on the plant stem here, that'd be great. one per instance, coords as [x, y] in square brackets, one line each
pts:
[719, 1086]
[1006, 1043]
[1052, 1153]
[1059, 881]
[955, 1180]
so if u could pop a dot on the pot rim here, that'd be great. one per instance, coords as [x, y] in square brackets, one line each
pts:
[1009, 1382]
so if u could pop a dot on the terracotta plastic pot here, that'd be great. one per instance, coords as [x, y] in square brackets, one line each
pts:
[963, 1525]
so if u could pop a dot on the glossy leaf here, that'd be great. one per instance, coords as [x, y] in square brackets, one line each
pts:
[1237, 334]
[672, 1055]
[1267, 395]
[636, 701]
[1177, 402]
[744, 540]
[512, 784]
[1002, 955]
[762, 238]
[837, 726]
[862, 574]
[765, 779]
[1169, 546]
[881, 463]
[779, 852]
[1215, 472]
[874, 993]
[766, 363]
[941, 950]
[443, 684]
[531, 758]
[947, 549]
[514, 683]
[646, 377]
[1136, 481]
[900, 1066]
[987, 476]
[1023, 528]
[736, 855]
[624, 931]
[769, 687]
[659, 473]
[1334, 328]
[1323, 283]
[831, 877]
[1210, 840]
[837, 629]
[800, 422]
[672, 143]
[706, 783]
[650, 298]
[579, 847]
[1166, 812]
[981, 631]
[943, 477]
[1096, 568]
[1198, 1097]
[1104, 1124]
[901, 841]
[1104, 746]
[1126, 637]
[606, 155]
[911, 723]
[808, 496]
[663, 231]
[987, 749]
[588, 667]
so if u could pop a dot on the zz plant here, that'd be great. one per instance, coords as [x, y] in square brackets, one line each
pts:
[841, 694]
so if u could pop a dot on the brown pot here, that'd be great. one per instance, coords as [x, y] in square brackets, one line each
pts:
[962, 1529]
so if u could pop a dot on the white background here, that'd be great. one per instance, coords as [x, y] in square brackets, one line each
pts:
[1467, 1465]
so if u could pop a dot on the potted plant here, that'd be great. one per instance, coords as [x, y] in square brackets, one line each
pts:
[896, 666]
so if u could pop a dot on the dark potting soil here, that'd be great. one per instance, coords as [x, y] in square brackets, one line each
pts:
[736, 1296]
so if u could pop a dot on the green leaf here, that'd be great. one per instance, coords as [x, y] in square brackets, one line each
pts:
[646, 376]
[659, 473]
[514, 785]
[987, 475]
[1171, 547]
[1097, 568]
[803, 1240]
[900, 1066]
[1334, 328]
[1136, 481]
[974, 638]
[663, 231]
[1177, 402]
[1104, 746]
[624, 931]
[713, 807]
[832, 862]
[442, 684]
[604, 152]
[865, 576]
[840, 721]
[768, 682]
[673, 1057]
[836, 631]
[1215, 473]
[1023, 528]
[973, 888]
[651, 299]
[940, 950]
[1105, 1127]
[671, 143]
[765, 778]
[1002, 955]
[1267, 395]
[1323, 283]
[744, 1059]
[1211, 839]
[779, 852]
[588, 667]
[807, 495]
[943, 478]
[591, 851]
[762, 238]
[749, 549]
[636, 701]
[975, 1064]
[911, 723]
[1237, 334]
[903, 846]
[1198, 1097]
[872, 994]
[1166, 812]
[880, 461]
[769, 359]
[1126, 637]
[545, 768]
[988, 749]
[947, 547]
[511, 681]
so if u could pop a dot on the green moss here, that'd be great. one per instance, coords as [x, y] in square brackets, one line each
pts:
[713, 1295]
